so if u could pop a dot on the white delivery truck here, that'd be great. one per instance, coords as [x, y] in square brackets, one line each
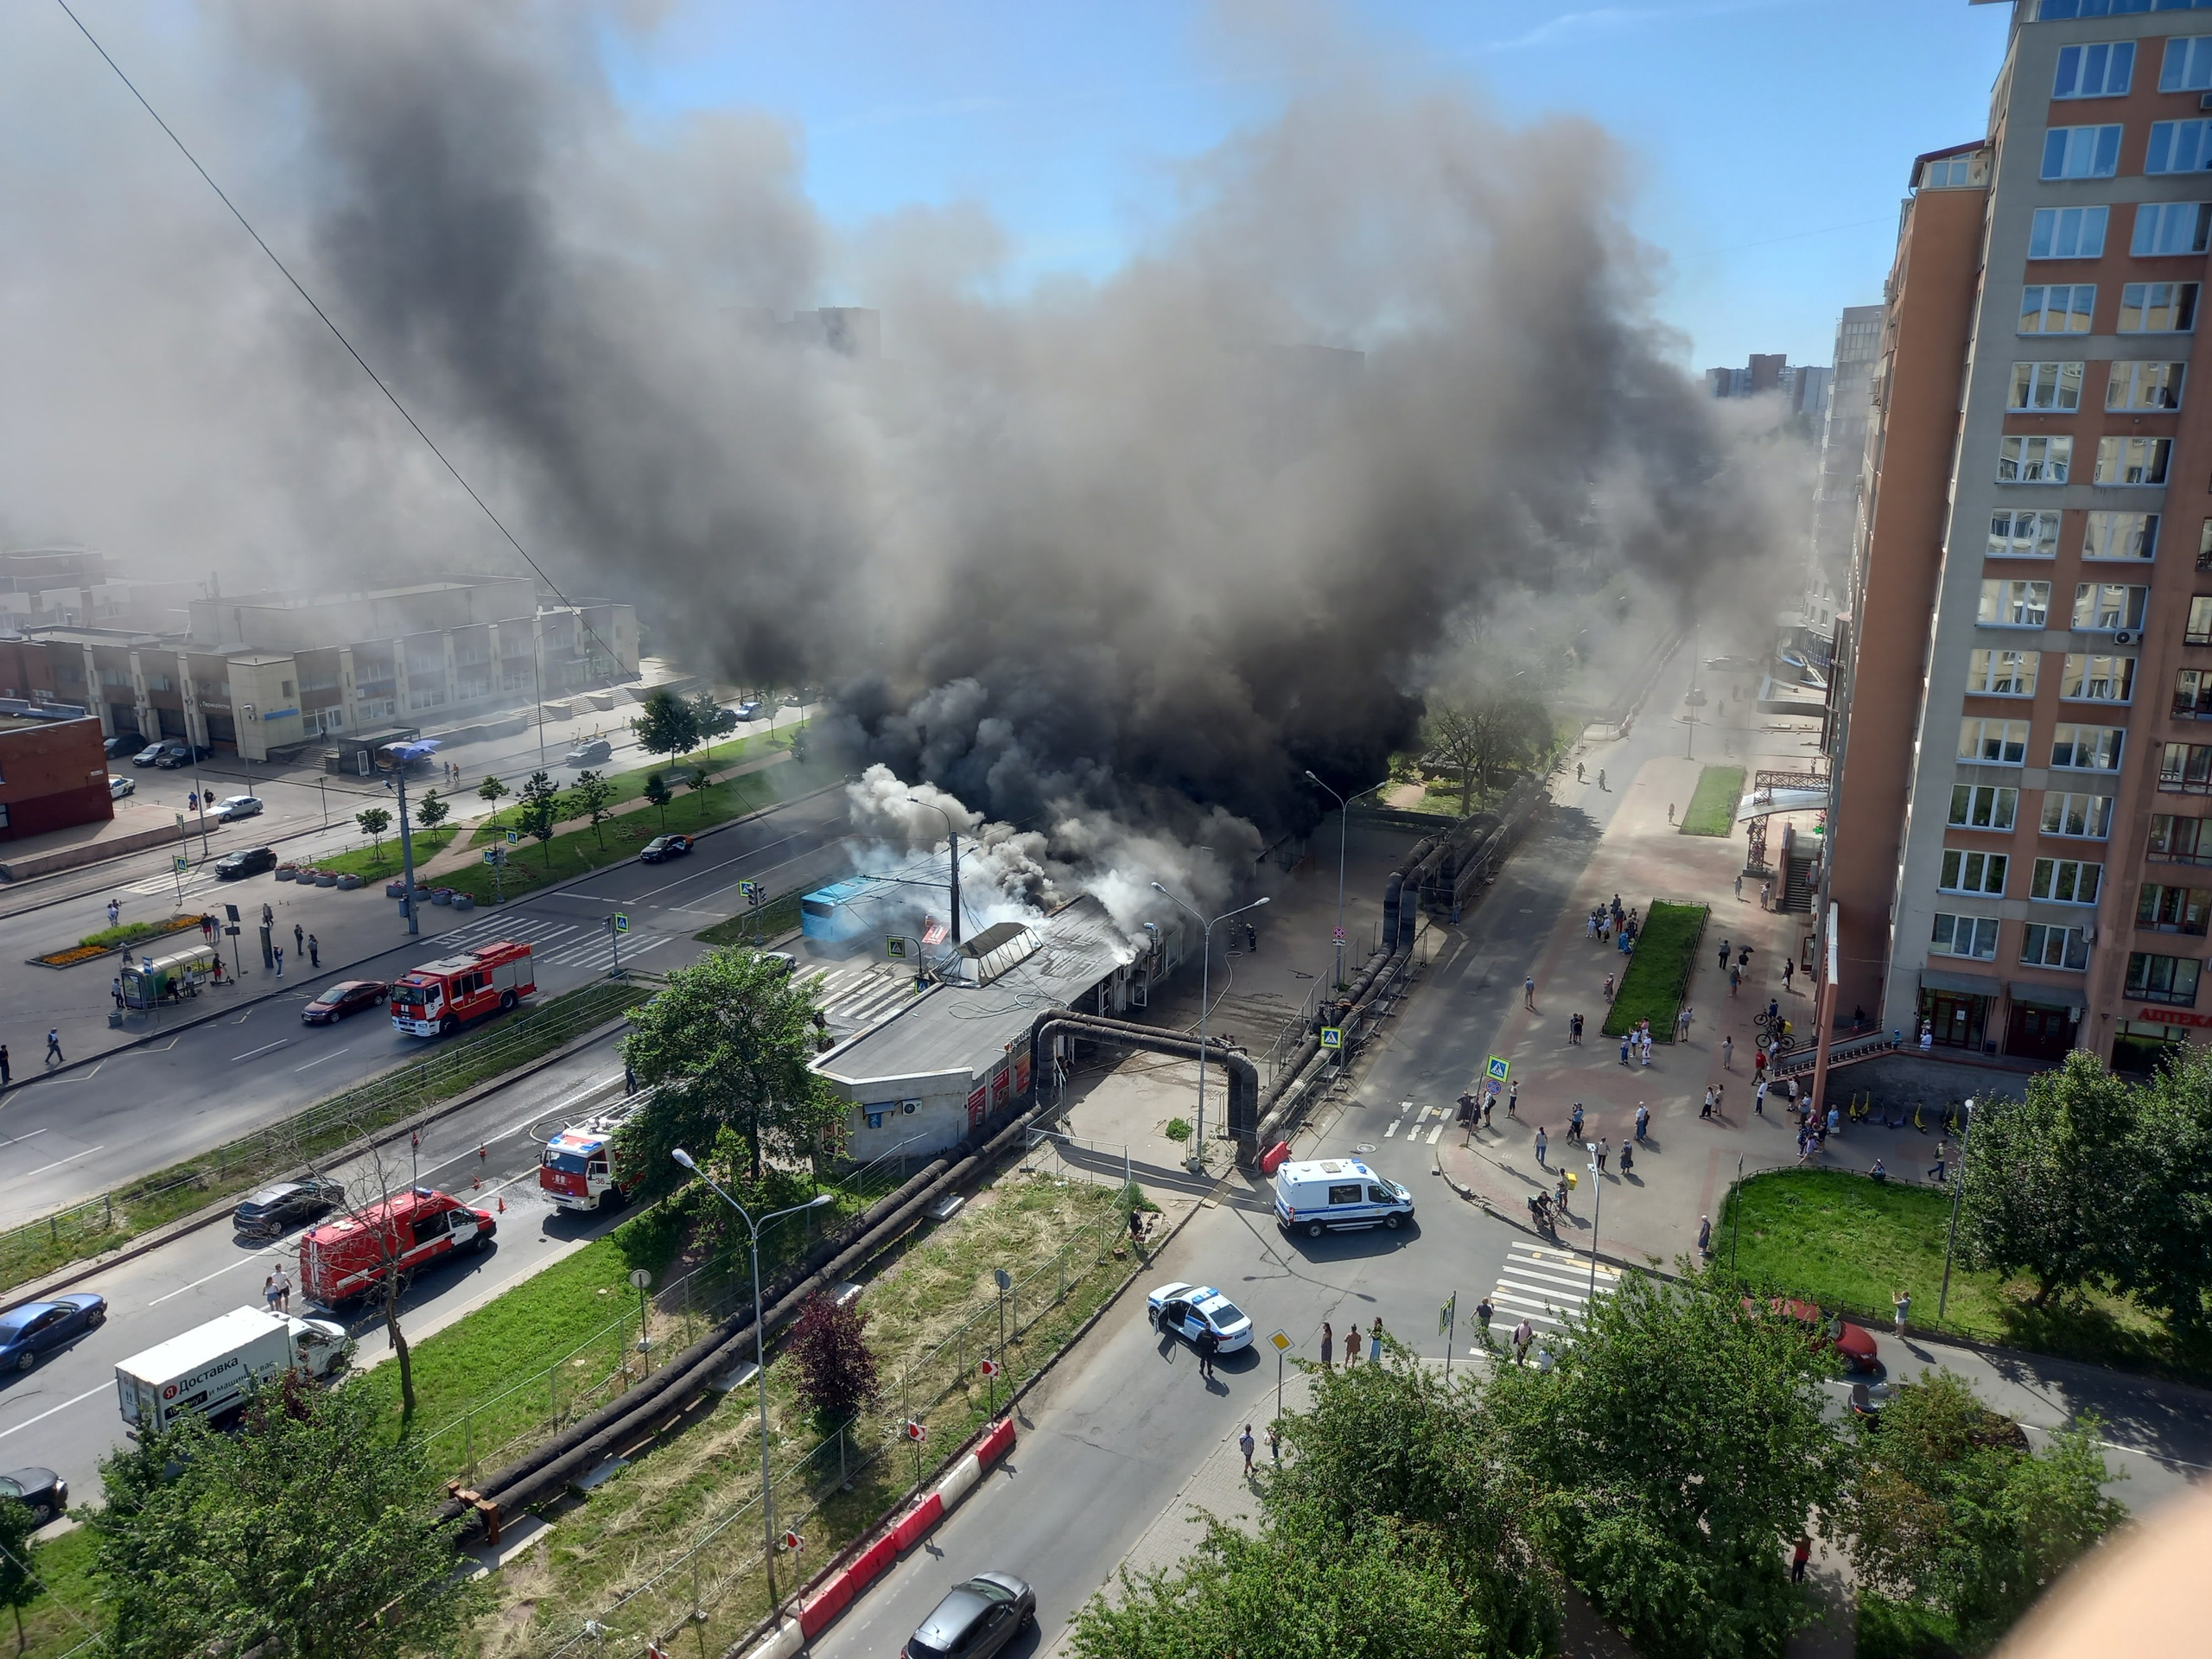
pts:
[210, 1370]
[1320, 1194]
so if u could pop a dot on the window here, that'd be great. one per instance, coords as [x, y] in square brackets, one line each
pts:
[2065, 881]
[2192, 694]
[2188, 66]
[2178, 146]
[2014, 604]
[2057, 307]
[2102, 606]
[2197, 631]
[2172, 910]
[2046, 387]
[2144, 385]
[2162, 979]
[2091, 678]
[1983, 806]
[2087, 817]
[2186, 769]
[2180, 840]
[1948, 175]
[2081, 152]
[2068, 233]
[2086, 748]
[1972, 872]
[2033, 461]
[2045, 946]
[2121, 536]
[2100, 71]
[2132, 461]
[2002, 673]
[1993, 742]
[2163, 228]
[2023, 535]
[2158, 307]
[1965, 936]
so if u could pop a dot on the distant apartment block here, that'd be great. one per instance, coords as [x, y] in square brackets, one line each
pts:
[1802, 389]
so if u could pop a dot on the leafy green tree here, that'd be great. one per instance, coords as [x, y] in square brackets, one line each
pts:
[1949, 1508]
[431, 812]
[593, 797]
[669, 725]
[706, 719]
[1485, 733]
[19, 1583]
[1674, 1454]
[2161, 1251]
[836, 1372]
[374, 820]
[2045, 1177]
[537, 808]
[658, 791]
[309, 1534]
[491, 791]
[726, 1043]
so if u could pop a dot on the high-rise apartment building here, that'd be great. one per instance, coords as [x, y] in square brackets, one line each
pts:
[1843, 441]
[2021, 820]
[1803, 387]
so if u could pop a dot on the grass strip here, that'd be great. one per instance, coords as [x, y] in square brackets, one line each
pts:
[381, 863]
[1658, 973]
[631, 785]
[1850, 1242]
[771, 921]
[56, 1621]
[1711, 810]
[38, 1248]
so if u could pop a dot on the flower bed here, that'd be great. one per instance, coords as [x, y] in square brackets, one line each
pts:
[111, 940]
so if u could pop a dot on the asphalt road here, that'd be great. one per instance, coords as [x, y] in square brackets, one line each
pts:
[86, 1129]
[64, 1415]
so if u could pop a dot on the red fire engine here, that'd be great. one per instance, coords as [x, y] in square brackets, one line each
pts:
[580, 1168]
[342, 1260]
[440, 996]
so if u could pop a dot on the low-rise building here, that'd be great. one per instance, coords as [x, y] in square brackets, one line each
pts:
[53, 772]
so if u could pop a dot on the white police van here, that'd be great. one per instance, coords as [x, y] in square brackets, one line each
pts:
[1319, 1194]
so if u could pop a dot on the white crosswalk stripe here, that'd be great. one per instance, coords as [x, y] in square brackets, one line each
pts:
[1546, 1286]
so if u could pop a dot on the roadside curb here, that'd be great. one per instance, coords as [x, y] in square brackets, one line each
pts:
[169, 1232]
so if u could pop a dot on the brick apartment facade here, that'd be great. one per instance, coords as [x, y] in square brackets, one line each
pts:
[53, 775]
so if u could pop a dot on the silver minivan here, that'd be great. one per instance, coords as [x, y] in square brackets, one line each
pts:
[1321, 1195]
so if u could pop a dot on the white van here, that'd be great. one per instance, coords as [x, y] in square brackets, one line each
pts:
[1320, 1194]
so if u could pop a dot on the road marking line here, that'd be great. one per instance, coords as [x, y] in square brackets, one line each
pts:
[333, 1055]
[282, 1042]
[1434, 1133]
[58, 1162]
[1393, 1129]
[104, 1388]
[12, 1140]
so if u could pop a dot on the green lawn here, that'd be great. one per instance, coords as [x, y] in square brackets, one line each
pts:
[381, 863]
[631, 785]
[1711, 810]
[771, 921]
[1659, 971]
[55, 1621]
[1848, 1242]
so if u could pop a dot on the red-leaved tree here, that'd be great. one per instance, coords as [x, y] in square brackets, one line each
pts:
[836, 1372]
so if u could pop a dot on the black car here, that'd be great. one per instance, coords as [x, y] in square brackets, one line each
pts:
[32, 1329]
[346, 996]
[41, 1492]
[232, 866]
[661, 847]
[128, 743]
[273, 1209]
[976, 1619]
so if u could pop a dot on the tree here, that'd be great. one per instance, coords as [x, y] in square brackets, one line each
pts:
[1474, 739]
[374, 820]
[706, 719]
[726, 1043]
[537, 808]
[669, 725]
[491, 791]
[658, 791]
[19, 1584]
[430, 811]
[1674, 1452]
[594, 797]
[2045, 1177]
[836, 1372]
[309, 1534]
[2161, 1251]
[1949, 1507]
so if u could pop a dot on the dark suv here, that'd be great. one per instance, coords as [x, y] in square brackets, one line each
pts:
[273, 1209]
[232, 866]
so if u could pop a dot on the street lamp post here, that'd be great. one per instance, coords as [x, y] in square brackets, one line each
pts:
[1344, 829]
[1597, 1209]
[952, 839]
[1958, 1192]
[760, 1351]
[405, 754]
[1205, 998]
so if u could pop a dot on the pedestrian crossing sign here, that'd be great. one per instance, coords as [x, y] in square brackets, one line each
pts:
[514, 837]
[894, 947]
[1447, 1313]
[183, 863]
[751, 890]
[1333, 1036]
[621, 922]
[1499, 1067]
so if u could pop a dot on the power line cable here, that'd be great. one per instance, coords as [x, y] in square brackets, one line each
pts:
[338, 335]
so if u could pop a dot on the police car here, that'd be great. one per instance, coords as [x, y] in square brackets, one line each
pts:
[1191, 1310]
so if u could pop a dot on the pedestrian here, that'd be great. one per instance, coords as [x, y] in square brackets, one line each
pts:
[1705, 1110]
[6, 1077]
[1467, 1109]
[1902, 1301]
[1574, 1029]
[1206, 1343]
[299, 941]
[1589, 925]
[1758, 1098]
[1937, 1173]
[1351, 1345]
[1136, 1226]
[1628, 1156]
[283, 1290]
[114, 912]
[1724, 954]
[314, 952]
[1758, 1063]
[1800, 1553]
[1328, 1347]
[1540, 1144]
[1523, 1334]
[269, 1294]
[1609, 988]
[208, 929]
[1647, 1049]
[1605, 1149]
[1528, 992]
[1683, 1024]
[1704, 1234]
[268, 916]
[1644, 1116]
[280, 962]
[1559, 1192]
[1274, 1445]
[1544, 1361]
[1766, 894]
[1835, 1119]
[1512, 1098]
[1735, 980]
[1574, 1123]
[1247, 1445]
[1489, 1108]
[1740, 884]
[1486, 1313]
[1720, 1098]
[1626, 1038]
[1578, 772]
[54, 1045]
[1670, 811]
[115, 986]
[1728, 1052]
[1788, 969]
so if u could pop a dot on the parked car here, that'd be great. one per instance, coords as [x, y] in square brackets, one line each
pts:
[147, 756]
[1850, 1343]
[41, 1492]
[231, 808]
[36, 1329]
[590, 754]
[1190, 1310]
[118, 786]
[725, 719]
[664, 846]
[273, 1209]
[232, 866]
[976, 1619]
[179, 754]
[128, 743]
[347, 996]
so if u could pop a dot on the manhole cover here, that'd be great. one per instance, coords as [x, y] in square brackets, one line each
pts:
[1364, 1146]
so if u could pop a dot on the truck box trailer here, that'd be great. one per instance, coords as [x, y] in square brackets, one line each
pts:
[211, 1369]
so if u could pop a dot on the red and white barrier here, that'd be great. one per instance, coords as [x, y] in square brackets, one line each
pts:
[834, 1594]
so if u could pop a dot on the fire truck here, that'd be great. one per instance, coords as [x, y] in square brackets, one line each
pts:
[439, 997]
[345, 1259]
[580, 1168]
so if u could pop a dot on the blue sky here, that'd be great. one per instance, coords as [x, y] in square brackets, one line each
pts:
[1774, 135]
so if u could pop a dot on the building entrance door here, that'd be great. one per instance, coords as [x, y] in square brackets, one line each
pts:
[1957, 1020]
[2034, 1034]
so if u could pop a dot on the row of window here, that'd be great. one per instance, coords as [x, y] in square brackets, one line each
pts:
[2049, 459]
[2098, 607]
[1995, 806]
[2144, 308]
[2056, 388]
[2085, 677]
[2093, 152]
[2107, 68]
[2054, 880]
[2032, 533]
[2041, 944]
[2162, 229]
[2073, 747]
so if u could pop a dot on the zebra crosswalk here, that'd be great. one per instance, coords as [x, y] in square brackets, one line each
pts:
[1546, 1286]
[554, 942]
[1412, 1121]
[856, 995]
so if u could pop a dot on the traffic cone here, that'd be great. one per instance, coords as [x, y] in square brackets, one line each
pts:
[476, 1182]
[503, 1206]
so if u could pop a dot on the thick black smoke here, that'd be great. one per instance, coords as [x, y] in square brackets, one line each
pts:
[1144, 548]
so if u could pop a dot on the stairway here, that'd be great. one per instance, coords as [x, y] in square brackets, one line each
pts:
[1797, 884]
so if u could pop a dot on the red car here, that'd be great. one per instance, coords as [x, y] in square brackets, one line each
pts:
[1849, 1342]
[347, 996]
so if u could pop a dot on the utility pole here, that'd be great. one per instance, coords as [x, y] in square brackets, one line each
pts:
[403, 755]
[1205, 999]
[1958, 1192]
[1343, 831]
